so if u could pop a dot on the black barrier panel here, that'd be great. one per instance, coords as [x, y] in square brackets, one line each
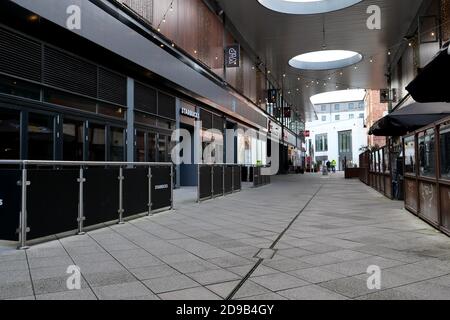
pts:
[228, 183]
[52, 202]
[256, 177]
[101, 195]
[10, 197]
[161, 188]
[218, 180]
[237, 178]
[205, 182]
[135, 191]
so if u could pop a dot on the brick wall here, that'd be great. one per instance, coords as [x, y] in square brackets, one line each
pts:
[375, 110]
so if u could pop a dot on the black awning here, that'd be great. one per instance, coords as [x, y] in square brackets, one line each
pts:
[431, 85]
[410, 118]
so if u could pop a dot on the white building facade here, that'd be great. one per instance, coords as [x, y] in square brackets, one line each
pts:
[338, 134]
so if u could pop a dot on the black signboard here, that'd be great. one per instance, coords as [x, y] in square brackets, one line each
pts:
[233, 56]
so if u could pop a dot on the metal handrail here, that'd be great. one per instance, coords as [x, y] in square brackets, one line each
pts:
[83, 163]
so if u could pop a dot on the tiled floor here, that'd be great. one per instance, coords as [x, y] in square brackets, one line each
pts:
[204, 251]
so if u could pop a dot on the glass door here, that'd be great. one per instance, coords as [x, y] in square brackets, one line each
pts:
[117, 144]
[9, 134]
[96, 142]
[151, 147]
[41, 129]
[73, 140]
[140, 146]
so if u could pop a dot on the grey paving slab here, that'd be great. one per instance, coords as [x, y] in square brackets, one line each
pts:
[123, 291]
[171, 283]
[83, 294]
[311, 292]
[213, 276]
[279, 281]
[198, 293]
[160, 271]
[203, 251]
[316, 274]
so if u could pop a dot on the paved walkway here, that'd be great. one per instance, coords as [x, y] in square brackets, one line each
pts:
[302, 237]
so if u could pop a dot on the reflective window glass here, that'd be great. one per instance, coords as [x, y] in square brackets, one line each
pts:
[73, 139]
[40, 137]
[9, 135]
[97, 142]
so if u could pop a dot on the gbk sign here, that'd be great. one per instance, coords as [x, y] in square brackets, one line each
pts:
[233, 56]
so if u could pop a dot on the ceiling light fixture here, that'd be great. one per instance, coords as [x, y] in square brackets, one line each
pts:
[307, 6]
[325, 60]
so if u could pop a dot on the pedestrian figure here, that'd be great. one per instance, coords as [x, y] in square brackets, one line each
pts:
[328, 166]
[333, 166]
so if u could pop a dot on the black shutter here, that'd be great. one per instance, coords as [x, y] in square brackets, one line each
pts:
[19, 56]
[112, 87]
[64, 71]
[145, 99]
[166, 106]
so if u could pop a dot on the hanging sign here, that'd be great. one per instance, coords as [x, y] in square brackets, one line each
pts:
[233, 56]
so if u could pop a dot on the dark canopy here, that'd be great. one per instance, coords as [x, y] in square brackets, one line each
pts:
[431, 85]
[410, 118]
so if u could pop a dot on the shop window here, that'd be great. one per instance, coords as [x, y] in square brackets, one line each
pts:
[140, 146]
[40, 137]
[322, 142]
[19, 88]
[111, 110]
[69, 100]
[151, 147]
[410, 155]
[144, 118]
[117, 144]
[337, 117]
[162, 148]
[324, 118]
[9, 135]
[351, 116]
[427, 154]
[386, 166]
[97, 142]
[345, 141]
[73, 134]
[445, 151]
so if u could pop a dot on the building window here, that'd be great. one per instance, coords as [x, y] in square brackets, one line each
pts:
[345, 142]
[351, 116]
[97, 142]
[10, 134]
[322, 142]
[361, 105]
[324, 118]
[427, 153]
[41, 130]
[445, 151]
[337, 117]
[117, 144]
[410, 155]
[73, 140]
[323, 108]
[351, 106]
[337, 107]
[361, 115]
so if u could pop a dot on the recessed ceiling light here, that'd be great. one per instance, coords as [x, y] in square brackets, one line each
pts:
[326, 60]
[307, 6]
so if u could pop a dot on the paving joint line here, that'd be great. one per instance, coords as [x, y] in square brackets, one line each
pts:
[249, 274]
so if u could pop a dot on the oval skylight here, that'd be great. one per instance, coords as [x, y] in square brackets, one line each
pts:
[307, 6]
[325, 60]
